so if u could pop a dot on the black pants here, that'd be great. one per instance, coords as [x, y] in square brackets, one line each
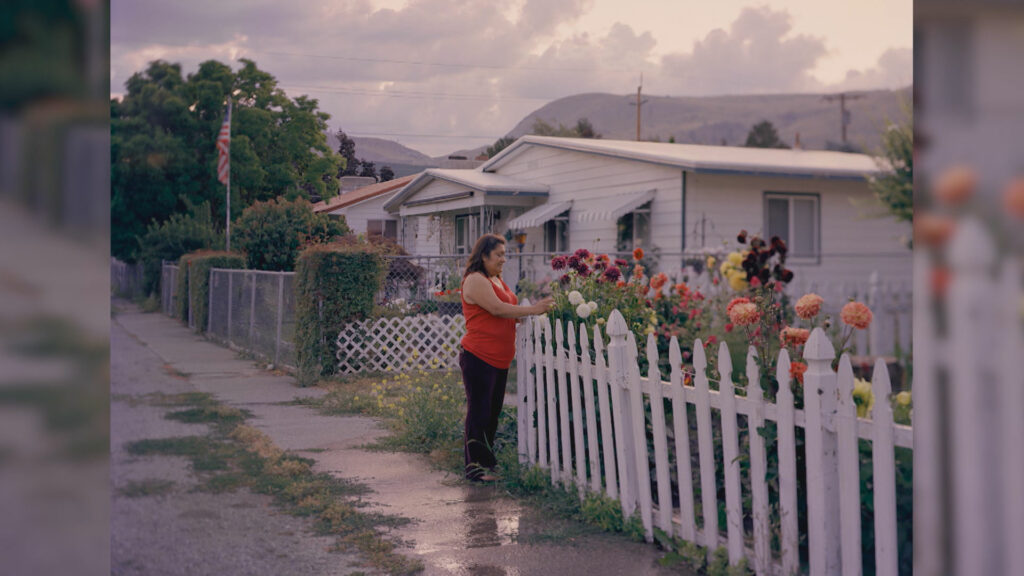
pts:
[485, 394]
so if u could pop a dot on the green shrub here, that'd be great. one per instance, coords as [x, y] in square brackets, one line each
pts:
[194, 272]
[334, 284]
[169, 240]
[272, 233]
[199, 279]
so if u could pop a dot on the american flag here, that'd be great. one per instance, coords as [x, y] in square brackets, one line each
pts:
[224, 148]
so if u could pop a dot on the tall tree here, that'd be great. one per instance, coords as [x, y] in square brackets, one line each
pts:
[894, 188]
[347, 150]
[386, 174]
[764, 135]
[367, 169]
[163, 157]
[582, 129]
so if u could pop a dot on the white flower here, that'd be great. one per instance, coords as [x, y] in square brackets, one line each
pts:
[593, 306]
[583, 310]
[575, 298]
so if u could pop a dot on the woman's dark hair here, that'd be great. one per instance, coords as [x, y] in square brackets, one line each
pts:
[484, 246]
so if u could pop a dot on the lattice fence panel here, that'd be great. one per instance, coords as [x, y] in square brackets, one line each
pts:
[426, 342]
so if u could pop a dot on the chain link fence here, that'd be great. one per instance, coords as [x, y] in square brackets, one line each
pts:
[168, 280]
[126, 279]
[254, 311]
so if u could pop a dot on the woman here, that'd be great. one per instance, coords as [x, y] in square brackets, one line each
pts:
[491, 310]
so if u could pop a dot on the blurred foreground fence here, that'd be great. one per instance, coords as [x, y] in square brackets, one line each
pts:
[790, 468]
[969, 402]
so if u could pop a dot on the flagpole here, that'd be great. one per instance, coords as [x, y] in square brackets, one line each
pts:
[227, 227]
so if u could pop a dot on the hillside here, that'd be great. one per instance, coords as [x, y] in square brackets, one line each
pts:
[712, 120]
[403, 160]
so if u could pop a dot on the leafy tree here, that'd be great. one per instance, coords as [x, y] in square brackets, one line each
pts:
[582, 129]
[163, 154]
[386, 174]
[895, 187]
[764, 135]
[272, 233]
[499, 145]
[169, 240]
[347, 150]
[367, 169]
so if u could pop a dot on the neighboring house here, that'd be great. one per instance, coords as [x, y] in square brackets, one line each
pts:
[608, 195]
[363, 207]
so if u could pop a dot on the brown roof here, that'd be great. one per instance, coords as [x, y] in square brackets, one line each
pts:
[360, 194]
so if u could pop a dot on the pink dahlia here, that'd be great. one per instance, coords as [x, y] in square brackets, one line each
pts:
[809, 305]
[794, 336]
[744, 314]
[735, 301]
[856, 314]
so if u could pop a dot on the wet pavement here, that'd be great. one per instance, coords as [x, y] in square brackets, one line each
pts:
[457, 528]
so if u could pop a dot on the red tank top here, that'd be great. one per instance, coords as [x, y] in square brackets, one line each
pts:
[488, 337]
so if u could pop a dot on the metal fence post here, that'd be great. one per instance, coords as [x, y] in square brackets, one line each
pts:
[280, 313]
[231, 277]
[209, 305]
[252, 312]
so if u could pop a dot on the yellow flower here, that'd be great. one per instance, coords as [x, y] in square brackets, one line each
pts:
[863, 396]
[600, 321]
[738, 282]
[725, 268]
[711, 262]
[355, 398]
[735, 259]
[649, 330]
[903, 398]
[415, 353]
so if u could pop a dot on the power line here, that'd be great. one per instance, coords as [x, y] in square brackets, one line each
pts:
[409, 135]
[412, 94]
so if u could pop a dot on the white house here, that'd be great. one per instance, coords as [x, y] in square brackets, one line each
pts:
[608, 195]
[363, 208]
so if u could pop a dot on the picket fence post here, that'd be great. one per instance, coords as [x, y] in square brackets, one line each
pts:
[551, 401]
[617, 379]
[642, 470]
[588, 399]
[608, 438]
[1011, 394]
[563, 406]
[883, 461]
[848, 449]
[788, 511]
[758, 468]
[660, 439]
[577, 411]
[522, 374]
[541, 447]
[820, 399]
[681, 427]
[705, 447]
[730, 456]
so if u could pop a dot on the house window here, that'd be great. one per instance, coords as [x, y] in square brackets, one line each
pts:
[385, 228]
[465, 233]
[556, 233]
[795, 218]
[634, 229]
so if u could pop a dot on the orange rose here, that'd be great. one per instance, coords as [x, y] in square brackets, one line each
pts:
[659, 281]
[638, 254]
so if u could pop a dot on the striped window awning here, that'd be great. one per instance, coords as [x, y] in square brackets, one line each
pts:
[615, 207]
[538, 215]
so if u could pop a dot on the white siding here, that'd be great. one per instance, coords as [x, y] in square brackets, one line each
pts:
[356, 215]
[857, 237]
[581, 177]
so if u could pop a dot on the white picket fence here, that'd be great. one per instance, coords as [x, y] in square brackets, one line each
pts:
[969, 407]
[425, 341]
[605, 386]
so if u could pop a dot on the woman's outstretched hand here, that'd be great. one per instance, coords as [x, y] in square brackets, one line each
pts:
[543, 306]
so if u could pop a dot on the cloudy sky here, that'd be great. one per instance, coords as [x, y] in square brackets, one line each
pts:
[441, 75]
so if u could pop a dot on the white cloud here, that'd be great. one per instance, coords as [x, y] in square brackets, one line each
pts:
[895, 69]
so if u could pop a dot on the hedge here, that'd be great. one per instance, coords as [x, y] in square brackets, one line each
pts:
[194, 271]
[334, 284]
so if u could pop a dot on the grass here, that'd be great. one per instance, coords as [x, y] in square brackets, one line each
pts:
[142, 488]
[235, 455]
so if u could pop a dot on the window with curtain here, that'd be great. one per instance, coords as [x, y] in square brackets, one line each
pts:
[385, 228]
[634, 229]
[795, 218]
[556, 233]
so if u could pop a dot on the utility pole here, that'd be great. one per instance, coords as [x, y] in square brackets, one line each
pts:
[844, 115]
[638, 104]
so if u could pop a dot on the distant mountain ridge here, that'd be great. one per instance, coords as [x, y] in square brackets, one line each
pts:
[709, 120]
[713, 120]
